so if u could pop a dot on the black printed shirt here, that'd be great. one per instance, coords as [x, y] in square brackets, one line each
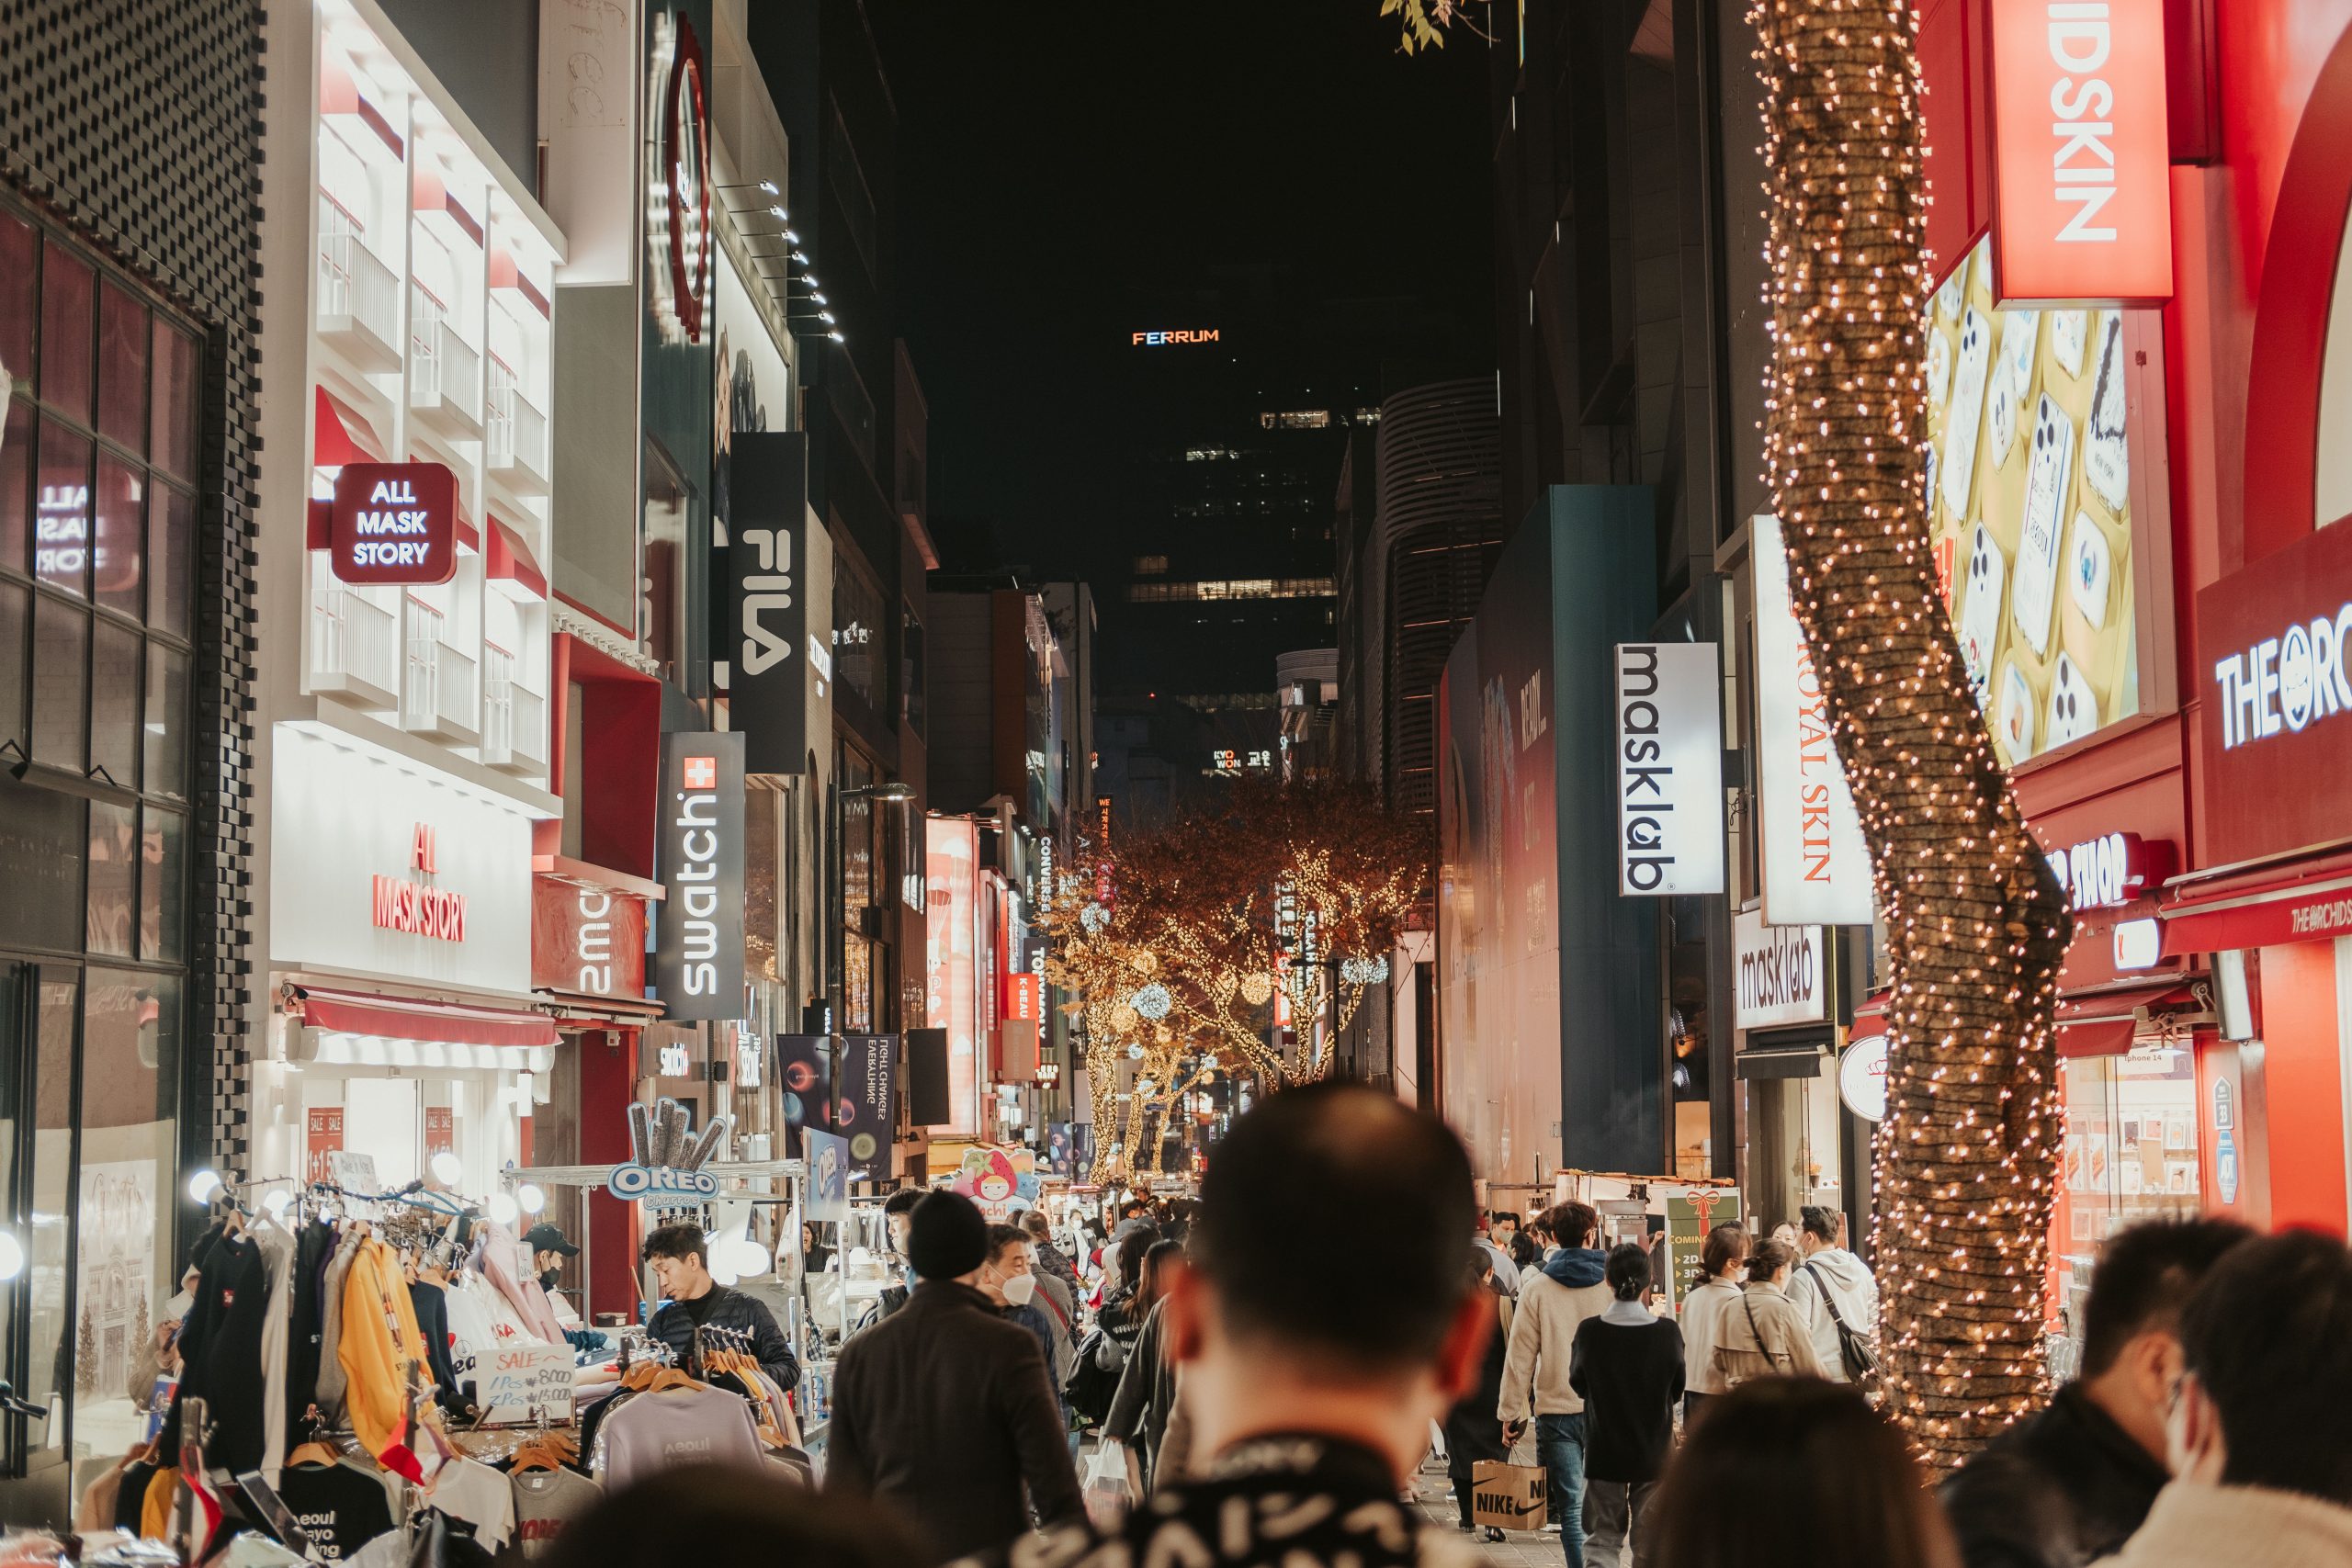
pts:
[1301, 1501]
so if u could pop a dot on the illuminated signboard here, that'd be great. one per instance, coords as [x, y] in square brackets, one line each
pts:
[678, 182]
[419, 908]
[2081, 151]
[698, 932]
[394, 523]
[1190, 334]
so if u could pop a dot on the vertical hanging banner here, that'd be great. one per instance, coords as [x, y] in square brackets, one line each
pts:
[865, 1109]
[765, 623]
[1816, 868]
[803, 1077]
[2081, 155]
[1669, 769]
[698, 935]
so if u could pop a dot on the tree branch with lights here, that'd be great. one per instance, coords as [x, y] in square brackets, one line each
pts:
[1977, 925]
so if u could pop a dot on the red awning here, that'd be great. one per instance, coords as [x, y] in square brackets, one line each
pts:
[342, 435]
[510, 558]
[1870, 1018]
[2104, 1024]
[396, 1017]
[2312, 902]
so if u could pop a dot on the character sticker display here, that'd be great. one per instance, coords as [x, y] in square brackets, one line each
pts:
[2030, 509]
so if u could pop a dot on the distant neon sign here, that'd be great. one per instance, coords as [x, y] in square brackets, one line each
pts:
[1189, 335]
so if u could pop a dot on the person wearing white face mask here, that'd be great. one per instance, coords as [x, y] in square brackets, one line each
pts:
[1009, 1279]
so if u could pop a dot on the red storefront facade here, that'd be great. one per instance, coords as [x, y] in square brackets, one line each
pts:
[2158, 645]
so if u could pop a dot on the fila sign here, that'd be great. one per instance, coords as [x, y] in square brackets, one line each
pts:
[2081, 150]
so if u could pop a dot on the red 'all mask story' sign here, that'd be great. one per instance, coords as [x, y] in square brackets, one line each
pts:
[394, 523]
[2082, 150]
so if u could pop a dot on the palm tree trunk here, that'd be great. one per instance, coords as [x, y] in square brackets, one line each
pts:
[1977, 926]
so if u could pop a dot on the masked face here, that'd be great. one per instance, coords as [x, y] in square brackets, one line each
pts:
[1019, 1289]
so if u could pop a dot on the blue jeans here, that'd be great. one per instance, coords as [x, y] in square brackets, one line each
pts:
[1559, 1443]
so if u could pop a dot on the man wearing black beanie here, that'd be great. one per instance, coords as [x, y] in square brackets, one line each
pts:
[942, 1411]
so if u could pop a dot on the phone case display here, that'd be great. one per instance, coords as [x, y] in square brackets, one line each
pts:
[2030, 509]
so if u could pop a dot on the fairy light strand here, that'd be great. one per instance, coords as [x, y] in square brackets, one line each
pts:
[1964, 1164]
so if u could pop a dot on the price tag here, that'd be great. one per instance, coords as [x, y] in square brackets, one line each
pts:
[513, 1382]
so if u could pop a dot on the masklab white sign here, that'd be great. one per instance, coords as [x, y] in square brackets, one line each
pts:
[1780, 974]
[1816, 867]
[1669, 769]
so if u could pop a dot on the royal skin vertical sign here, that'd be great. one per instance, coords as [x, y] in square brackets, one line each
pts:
[698, 934]
[1816, 867]
[1669, 769]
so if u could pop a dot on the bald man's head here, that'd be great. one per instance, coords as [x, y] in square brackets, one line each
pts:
[1335, 1166]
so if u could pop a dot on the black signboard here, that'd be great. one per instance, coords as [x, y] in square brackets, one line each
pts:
[804, 1074]
[763, 631]
[697, 971]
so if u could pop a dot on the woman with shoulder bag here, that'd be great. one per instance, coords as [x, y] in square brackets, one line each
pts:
[1762, 1334]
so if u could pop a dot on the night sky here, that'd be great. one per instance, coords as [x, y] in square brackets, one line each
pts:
[1064, 170]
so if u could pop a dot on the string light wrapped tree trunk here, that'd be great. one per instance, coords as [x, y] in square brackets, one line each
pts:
[1977, 924]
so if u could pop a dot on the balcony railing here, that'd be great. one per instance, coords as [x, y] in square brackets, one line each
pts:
[437, 695]
[359, 299]
[444, 370]
[517, 433]
[513, 718]
[353, 650]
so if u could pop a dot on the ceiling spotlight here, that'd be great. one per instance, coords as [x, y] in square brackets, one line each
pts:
[826, 317]
[778, 213]
[835, 336]
[769, 187]
[790, 238]
[802, 259]
[531, 1197]
[817, 296]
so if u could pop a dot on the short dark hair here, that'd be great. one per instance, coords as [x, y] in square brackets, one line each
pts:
[738, 1518]
[1033, 1220]
[2145, 1274]
[1627, 1270]
[1503, 1217]
[1726, 1243]
[1796, 1473]
[1269, 1182]
[1135, 1206]
[2268, 1337]
[1768, 1257]
[902, 1201]
[675, 1241]
[1002, 1237]
[1818, 1220]
[1573, 1224]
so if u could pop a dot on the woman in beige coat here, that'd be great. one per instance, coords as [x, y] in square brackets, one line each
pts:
[1762, 1334]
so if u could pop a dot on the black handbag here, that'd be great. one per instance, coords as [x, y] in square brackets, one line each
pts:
[1854, 1352]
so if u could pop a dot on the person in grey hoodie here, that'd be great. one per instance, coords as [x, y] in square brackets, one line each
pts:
[1828, 1286]
[1552, 1304]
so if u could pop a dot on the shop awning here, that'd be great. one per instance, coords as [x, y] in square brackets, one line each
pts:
[341, 436]
[510, 560]
[395, 1018]
[2105, 1023]
[2262, 907]
[1870, 1018]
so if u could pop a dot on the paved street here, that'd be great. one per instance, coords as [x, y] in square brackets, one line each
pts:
[1532, 1548]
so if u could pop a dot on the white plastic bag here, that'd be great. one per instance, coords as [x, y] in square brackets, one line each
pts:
[1107, 1498]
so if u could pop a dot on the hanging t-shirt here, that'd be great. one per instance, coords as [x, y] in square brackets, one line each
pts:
[472, 1337]
[678, 1426]
[470, 1491]
[339, 1507]
[546, 1502]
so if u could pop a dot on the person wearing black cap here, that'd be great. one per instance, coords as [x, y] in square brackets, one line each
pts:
[943, 1411]
[549, 1246]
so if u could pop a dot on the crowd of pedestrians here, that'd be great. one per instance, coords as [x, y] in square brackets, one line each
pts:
[1246, 1409]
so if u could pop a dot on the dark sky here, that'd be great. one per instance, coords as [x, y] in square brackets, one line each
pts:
[1061, 168]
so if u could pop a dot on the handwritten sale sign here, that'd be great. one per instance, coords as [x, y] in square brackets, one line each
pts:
[514, 1383]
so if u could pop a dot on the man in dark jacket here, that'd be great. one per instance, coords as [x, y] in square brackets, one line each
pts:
[942, 1411]
[681, 1267]
[2068, 1485]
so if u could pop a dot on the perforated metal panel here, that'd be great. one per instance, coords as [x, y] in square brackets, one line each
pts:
[137, 123]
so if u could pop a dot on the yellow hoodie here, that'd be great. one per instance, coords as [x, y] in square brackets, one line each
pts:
[380, 1339]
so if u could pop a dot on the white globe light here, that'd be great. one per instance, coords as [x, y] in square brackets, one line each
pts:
[204, 1185]
[277, 1202]
[12, 1256]
[447, 1169]
[531, 1197]
[751, 1258]
[502, 1208]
